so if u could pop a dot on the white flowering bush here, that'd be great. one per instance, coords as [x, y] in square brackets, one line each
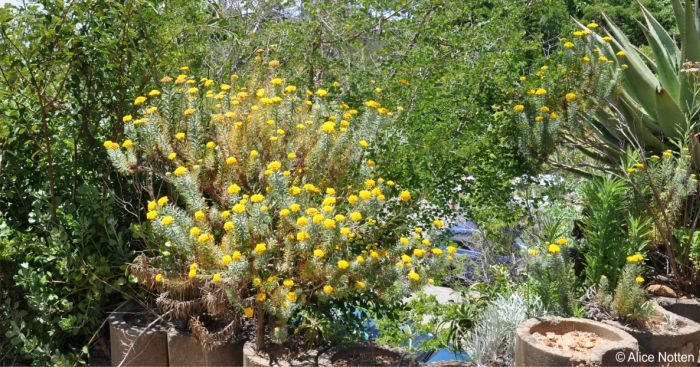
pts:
[275, 207]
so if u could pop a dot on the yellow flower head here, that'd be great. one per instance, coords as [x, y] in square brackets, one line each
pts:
[328, 289]
[365, 195]
[438, 223]
[570, 97]
[552, 248]
[639, 279]
[180, 171]
[216, 278]
[405, 195]
[260, 248]
[228, 226]
[329, 223]
[226, 259]
[635, 258]
[167, 220]
[302, 236]
[413, 276]
[236, 256]
[328, 127]
[233, 189]
[561, 241]
[248, 312]
[342, 264]
[139, 100]
[319, 253]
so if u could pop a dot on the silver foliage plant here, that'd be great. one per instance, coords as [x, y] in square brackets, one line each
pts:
[493, 336]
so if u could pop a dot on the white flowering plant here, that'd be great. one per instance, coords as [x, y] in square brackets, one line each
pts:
[275, 208]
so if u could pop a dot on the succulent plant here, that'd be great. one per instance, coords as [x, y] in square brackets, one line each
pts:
[656, 102]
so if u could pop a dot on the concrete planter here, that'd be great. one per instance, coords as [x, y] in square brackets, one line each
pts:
[686, 307]
[185, 350]
[131, 344]
[385, 355]
[668, 347]
[530, 351]
[251, 358]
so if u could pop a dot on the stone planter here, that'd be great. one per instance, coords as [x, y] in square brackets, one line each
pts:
[132, 345]
[686, 307]
[369, 354]
[251, 358]
[671, 347]
[185, 350]
[530, 351]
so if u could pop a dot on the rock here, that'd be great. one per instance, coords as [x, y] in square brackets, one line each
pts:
[661, 290]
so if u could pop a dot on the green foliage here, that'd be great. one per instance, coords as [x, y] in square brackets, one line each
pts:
[551, 278]
[448, 322]
[610, 230]
[627, 15]
[66, 69]
[629, 302]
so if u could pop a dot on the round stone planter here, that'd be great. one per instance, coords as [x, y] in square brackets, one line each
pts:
[132, 344]
[676, 346]
[530, 351]
[686, 307]
[185, 350]
[369, 354]
[251, 358]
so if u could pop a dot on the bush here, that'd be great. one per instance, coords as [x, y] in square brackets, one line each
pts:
[550, 277]
[629, 302]
[275, 210]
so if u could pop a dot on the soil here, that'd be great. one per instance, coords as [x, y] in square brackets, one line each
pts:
[367, 357]
[658, 323]
[573, 341]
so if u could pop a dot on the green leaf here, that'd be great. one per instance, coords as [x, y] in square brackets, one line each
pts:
[691, 44]
[666, 54]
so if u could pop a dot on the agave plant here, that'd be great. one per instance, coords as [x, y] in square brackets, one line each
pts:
[656, 102]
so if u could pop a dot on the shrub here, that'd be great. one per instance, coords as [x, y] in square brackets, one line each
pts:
[629, 302]
[610, 230]
[493, 336]
[276, 211]
[550, 277]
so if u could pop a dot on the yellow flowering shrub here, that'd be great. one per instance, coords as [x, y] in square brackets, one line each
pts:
[275, 206]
